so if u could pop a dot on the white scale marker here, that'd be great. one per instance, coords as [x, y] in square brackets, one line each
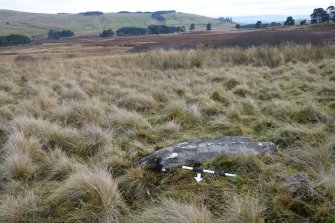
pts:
[199, 178]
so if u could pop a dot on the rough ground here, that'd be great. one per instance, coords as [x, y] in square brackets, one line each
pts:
[271, 37]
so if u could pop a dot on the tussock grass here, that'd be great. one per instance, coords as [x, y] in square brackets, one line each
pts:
[62, 165]
[79, 114]
[318, 158]
[325, 185]
[69, 127]
[17, 142]
[86, 142]
[124, 119]
[211, 107]
[295, 135]
[242, 90]
[169, 210]
[243, 209]
[221, 95]
[18, 166]
[88, 195]
[170, 128]
[138, 102]
[19, 208]
[256, 56]
[137, 183]
[178, 111]
[5, 98]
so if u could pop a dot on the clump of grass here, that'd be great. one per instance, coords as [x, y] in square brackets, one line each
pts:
[327, 90]
[242, 90]
[325, 186]
[139, 102]
[98, 139]
[307, 114]
[24, 152]
[292, 209]
[84, 143]
[234, 113]
[73, 93]
[231, 83]
[125, 119]
[28, 108]
[220, 123]
[137, 183]
[17, 142]
[18, 166]
[291, 111]
[243, 208]
[168, 210]
[6, 112]
[78, 114]
[179, 112]
[5, 98]
[267, 93]
[265, 125]
[194, 111]
[44, 101]
[62, 165]
[7, 85]
[221, 95]
[19, 208]
[298, 135]
[211, 108]
[89, 195]
[160, 96]
[248, 106]
[170, 128]
[316, 159]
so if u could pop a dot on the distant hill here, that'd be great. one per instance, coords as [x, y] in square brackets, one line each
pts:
[34, 24]
[267, 18]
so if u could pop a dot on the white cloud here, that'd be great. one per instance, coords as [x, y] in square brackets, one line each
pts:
[212, 8]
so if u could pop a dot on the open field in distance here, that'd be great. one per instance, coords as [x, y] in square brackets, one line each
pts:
[36, 24]
[312, 35]
[76, 117]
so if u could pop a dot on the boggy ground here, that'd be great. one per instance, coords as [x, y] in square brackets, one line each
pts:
[75, 119]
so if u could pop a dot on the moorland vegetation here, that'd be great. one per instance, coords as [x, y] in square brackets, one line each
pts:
[75, 119]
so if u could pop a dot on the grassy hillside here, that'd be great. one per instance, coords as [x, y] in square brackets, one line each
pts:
[37, 24]
[74, 120]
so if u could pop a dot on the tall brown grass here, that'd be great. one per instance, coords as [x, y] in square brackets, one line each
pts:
[73, 129]
[169, 210]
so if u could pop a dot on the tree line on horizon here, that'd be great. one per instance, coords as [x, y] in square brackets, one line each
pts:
[319, 15]
[158, 15]
[225, 19]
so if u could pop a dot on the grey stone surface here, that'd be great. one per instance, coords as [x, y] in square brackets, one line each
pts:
[184, 153]
[297, 185]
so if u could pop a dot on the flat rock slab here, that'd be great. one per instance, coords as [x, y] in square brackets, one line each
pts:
[184, 153]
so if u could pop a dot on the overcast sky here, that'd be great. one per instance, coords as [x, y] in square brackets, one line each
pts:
[212, 8]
